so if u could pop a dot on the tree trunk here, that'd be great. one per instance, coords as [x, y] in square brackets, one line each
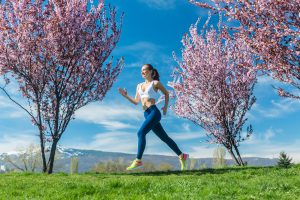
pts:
[43, 151]
[40, 127]
[234, 157]
[238, 155]
[52, 157]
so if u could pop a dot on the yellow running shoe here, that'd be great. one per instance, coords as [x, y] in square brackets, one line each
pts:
[136, 164]
[183, 161]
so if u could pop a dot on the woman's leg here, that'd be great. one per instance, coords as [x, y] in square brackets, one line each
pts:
[151, 120]
[161, 133]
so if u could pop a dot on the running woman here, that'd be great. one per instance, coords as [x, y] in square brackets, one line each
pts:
[147, 92]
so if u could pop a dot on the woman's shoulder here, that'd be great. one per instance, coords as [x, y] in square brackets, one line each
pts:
[155, 82]
[139, 84]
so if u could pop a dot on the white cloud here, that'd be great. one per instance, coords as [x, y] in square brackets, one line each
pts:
[272, 149]
[263, 150]
[116, 141]
[266, 144]
[160, 4]
[115, 125]
[266, 86]
[10, 110]
[110, 116]
[12, 143]
[145, 52]
[127, 142]
[16, 114]
[12, 87]
[186, 136]
[186, 127]
[267, 80]
[269, 134]
[279, 108]
[138, 46]
[263, 137]
[6, 103]
[202, 151]
[201, 12]
[264, 80]
[135, 64]
[260, 145]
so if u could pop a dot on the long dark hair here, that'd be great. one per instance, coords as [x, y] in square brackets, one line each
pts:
[154, 74]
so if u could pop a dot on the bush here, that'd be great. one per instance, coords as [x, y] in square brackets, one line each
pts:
[192, 164]
[74, 165]
[165, 167]
[203, 166]
[148, 167]
[117, 165]
[219, 157]
[284, 161]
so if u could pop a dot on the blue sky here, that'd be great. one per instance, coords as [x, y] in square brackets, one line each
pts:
[152, 29]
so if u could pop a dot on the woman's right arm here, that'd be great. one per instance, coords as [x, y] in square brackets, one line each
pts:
[135, 100]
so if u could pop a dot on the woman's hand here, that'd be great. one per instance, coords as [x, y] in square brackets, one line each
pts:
[123, 92]
[164, 110]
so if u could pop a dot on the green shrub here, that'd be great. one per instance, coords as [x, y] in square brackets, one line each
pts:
[219, 157]
[165, 167]
[284, 161]
[117, 165]
[192, 165]
[74, 165]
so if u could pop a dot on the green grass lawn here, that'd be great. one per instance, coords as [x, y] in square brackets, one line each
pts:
[229, 183]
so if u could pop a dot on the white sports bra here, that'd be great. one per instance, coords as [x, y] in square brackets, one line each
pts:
[149, 92]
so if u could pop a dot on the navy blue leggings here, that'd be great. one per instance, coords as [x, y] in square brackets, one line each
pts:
[153, 116]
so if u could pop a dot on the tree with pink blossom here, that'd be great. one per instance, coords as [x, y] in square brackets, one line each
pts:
[271, 29]
[57, 51]
[212, 89]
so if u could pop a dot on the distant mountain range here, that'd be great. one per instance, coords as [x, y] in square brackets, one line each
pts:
[88, 159]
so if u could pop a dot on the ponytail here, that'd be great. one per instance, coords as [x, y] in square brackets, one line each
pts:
[155, 74]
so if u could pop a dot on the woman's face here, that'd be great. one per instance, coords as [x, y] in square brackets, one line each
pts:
[145, 71]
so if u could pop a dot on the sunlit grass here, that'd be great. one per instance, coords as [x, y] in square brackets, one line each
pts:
[229, 183]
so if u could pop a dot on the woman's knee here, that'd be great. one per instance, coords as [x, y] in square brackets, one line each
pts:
[141, 134]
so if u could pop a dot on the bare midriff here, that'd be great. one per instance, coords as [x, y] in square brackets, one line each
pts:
[147, 102]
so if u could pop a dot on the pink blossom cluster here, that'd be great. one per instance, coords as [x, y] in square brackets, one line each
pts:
[58, 51]
[213, 86]
[271, 29]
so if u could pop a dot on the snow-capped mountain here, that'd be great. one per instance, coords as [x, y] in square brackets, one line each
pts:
[69, 152]
[89, 158]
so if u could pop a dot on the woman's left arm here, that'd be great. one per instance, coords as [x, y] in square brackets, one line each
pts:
[159, 86]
